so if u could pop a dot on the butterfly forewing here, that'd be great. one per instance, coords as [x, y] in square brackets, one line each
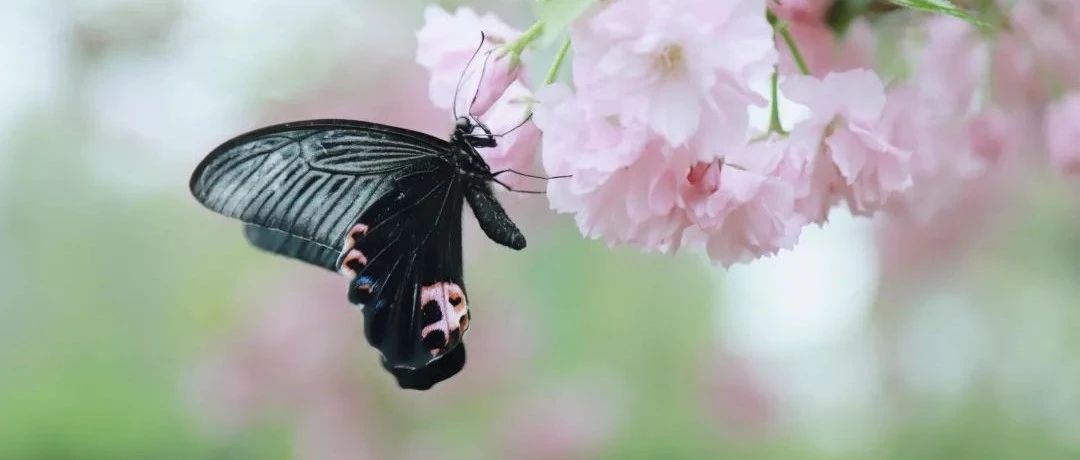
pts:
[307, 182]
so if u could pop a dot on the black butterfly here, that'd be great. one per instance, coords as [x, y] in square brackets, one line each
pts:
[381, 205]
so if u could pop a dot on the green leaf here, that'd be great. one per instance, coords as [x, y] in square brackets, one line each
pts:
[557, 16]
[941, 7]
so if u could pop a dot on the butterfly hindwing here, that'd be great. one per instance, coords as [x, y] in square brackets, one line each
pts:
[404, 257]
[279, 242]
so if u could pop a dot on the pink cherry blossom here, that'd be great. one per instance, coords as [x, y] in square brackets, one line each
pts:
[742, 210]
[666, 65]
[1062, 131]
[623, 189]
[501, 100]
[653, 133]
[497, 71]
[445, 45]
[847, 156]
[628, 187]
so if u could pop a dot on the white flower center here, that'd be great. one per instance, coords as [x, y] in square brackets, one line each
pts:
[670, 61]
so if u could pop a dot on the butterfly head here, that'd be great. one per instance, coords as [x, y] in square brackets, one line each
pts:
[465, 132]
[463, 125]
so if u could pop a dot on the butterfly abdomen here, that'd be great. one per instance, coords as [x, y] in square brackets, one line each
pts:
[492, 218]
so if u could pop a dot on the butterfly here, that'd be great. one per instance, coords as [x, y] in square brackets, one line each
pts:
[381, 205]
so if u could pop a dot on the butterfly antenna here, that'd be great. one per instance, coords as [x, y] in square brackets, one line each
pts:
[515, 128]
[496, 173]
[461, 78]
[480, 82]
[531, 192]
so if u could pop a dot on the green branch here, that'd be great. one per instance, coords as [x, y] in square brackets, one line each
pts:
[774, 107]
[516, 47]
[553, 71]
[785, 33]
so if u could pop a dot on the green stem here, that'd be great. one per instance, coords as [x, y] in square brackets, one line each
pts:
[782, 27]
[553, 72]
[774, 108]
[516, 47]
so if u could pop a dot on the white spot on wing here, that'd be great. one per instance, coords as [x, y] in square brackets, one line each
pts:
[452, 303]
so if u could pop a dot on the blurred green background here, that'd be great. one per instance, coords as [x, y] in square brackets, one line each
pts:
[134, 324]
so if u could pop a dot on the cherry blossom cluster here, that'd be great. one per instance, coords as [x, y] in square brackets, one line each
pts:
[896, 111]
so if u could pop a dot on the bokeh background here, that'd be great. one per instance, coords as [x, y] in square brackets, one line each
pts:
[134, 324]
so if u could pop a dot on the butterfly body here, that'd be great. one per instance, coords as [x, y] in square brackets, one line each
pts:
[381, 205]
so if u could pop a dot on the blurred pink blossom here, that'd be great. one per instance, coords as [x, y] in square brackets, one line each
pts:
[293, 353]
[502, 344]
[337, 426]
[1039, 55]
[399, 104]
[913, 250]
[851, 157]
[942, 160]
[1063, 134]
[574, 420]
[951, 65]
[738, 396]
[445, 45]
[270, 355]
[1015, 79]
[955, 134]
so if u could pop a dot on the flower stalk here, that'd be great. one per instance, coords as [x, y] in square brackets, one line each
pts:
[553, 71]
[517, 47]
[774, 107]
[785, 33]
